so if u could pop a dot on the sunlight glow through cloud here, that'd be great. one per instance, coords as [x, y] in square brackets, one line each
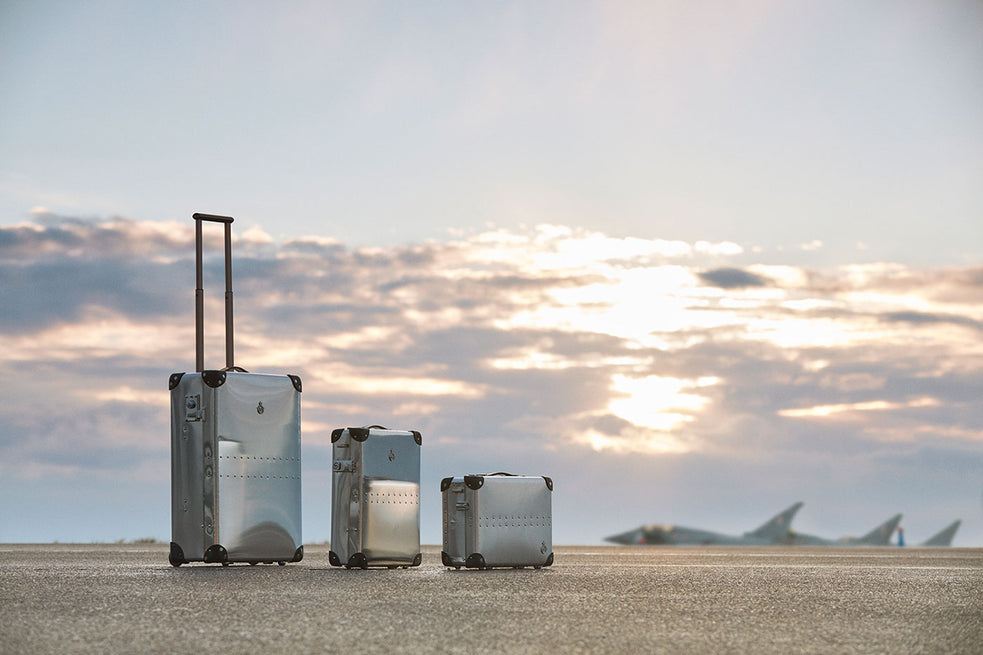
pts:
[354, 382]
[826, 411]
[659, 403]
[127, 394]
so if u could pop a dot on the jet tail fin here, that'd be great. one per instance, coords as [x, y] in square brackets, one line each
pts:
[777, 528]
[944, 538]
[881, 535]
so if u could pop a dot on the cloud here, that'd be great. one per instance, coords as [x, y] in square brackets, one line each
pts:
[503, 346]
[733, 278]
[925, 318]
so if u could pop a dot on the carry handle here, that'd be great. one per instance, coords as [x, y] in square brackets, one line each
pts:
[200, 293]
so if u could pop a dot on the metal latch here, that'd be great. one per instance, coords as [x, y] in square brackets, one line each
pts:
[344, 466]
[192, 407]
[462, 506]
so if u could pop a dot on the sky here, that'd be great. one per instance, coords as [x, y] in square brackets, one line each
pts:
[695, 261]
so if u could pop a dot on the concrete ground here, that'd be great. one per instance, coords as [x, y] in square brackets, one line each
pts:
[124, 598]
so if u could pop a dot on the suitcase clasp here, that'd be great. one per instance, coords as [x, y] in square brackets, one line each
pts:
[192, 407]
[344, 466]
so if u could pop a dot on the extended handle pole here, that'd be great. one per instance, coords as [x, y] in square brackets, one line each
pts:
[200, 293]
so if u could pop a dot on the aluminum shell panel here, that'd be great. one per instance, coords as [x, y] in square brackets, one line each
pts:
[236, 472]
[507, 521]
[391, 521]
[375, 506]
[457, 522]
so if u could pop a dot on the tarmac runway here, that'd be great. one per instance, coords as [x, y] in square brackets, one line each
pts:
[125, 598]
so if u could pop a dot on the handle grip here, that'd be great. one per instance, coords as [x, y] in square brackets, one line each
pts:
[215, 218]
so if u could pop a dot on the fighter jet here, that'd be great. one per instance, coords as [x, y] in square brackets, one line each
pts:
[879, 536]
[943, 538]
[775, 531]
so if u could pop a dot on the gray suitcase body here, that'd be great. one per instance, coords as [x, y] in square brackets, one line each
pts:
[497, 520]
[375, 498]
[235, 457]
[235, 467]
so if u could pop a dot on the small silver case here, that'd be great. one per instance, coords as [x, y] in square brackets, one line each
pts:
[497, 520]
[375, 498]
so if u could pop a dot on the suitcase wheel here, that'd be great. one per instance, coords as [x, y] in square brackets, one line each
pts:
[176, 556]
[216, 553]
[282, 563]
[253, 563]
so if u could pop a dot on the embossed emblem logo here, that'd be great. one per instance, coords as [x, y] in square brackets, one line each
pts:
[259, 408]
[392, 455]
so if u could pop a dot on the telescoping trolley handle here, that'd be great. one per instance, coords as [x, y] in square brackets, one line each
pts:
[200, 293]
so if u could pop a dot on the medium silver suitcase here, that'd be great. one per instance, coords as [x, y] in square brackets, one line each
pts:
[375, 498]
[235, 453]
[497, 520]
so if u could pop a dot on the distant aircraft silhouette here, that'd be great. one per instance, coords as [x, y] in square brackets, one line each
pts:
[879, 536]
[943, 538]
[774, 531]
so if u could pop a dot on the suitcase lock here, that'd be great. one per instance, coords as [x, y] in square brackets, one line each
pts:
[192, 407]
[344, 466]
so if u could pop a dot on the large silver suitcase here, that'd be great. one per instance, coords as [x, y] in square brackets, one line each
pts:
[235, 453]
[497, 520]
[375, 498]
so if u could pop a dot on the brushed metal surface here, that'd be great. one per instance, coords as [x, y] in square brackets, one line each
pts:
[455, 509]
[513, 521]
[241, 465]
[508, 521]
[187, 470]
[375, 507]
[391, 521]
[345, 501]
